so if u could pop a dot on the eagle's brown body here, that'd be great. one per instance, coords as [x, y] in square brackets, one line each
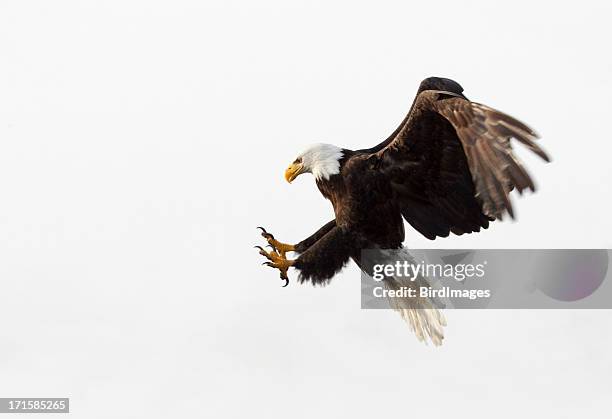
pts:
[360, 195]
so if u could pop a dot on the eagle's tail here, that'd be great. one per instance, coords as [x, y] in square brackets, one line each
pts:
[421, 313]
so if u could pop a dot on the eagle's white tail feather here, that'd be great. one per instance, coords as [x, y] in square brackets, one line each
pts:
[421, 314]
[424, 319]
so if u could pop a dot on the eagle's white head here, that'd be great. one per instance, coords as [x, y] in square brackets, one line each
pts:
[322, 160]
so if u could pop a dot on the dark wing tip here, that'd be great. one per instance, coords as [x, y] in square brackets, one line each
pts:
[441, 83]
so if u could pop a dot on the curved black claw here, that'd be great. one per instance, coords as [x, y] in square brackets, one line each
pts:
[283, 274]
[265, 234]
[262, 251]
[270, 256]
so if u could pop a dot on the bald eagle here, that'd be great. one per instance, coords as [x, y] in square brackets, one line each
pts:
[448, 168]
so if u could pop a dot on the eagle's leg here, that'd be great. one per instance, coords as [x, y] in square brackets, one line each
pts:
[323, 259]
[277, 261]
[280, 248]
[307, 243]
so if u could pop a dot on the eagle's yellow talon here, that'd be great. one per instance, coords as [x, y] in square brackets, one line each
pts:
[280, 248]
[277, 261]
[271, 256]
[283, 266]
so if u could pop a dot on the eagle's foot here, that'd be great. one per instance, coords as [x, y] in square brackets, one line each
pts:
[277, 261]
[280, 248]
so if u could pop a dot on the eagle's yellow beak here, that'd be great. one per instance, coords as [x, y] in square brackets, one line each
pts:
[293, 171]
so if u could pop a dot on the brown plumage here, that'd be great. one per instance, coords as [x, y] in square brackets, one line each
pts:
[451, 161]
[448, 167]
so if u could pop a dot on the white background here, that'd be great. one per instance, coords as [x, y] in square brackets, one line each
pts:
[141, 143]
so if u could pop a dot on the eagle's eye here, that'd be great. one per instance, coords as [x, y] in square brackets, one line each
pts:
[298, 160]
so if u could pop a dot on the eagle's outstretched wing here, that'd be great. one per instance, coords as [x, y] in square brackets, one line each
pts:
[430, 83]
[451, 162]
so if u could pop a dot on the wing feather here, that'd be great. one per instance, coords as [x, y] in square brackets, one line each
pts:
[452, 164]
[485, 134]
